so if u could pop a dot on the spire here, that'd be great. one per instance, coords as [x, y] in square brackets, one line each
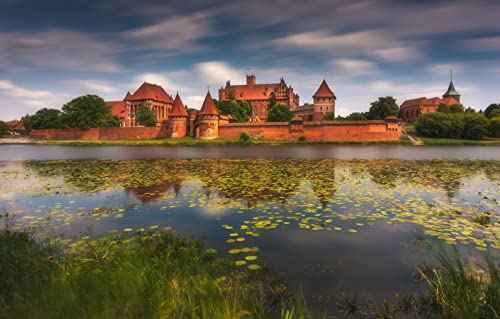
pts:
[208, 107]
[178, 109]
[452, 92]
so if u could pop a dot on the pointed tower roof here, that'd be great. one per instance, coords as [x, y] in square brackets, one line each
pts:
[148, 91]
[178, 109]
[324, 90]
[451, 90]
[208, 107]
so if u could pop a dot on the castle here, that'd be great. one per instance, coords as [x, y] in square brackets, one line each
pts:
[412, 109]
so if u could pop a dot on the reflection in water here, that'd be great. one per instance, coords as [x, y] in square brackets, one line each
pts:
[325, 224]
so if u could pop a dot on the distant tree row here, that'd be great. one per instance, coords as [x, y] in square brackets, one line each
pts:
[379, 110]
[82, 112]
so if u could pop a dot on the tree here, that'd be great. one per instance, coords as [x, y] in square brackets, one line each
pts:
[279, 113]
[145, 116]
[492, 110]
[329, 117]
[439, 124]
[355, 116]
[382, 108]
[87, 112]
[475, 126]
[4, 128]
[272, 101]
[454, 108]
[239, 110]
[495, 127]
[47, 119]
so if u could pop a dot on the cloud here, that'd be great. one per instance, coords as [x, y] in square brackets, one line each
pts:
[216, 73]
[22, 51]
[443, 69]
[178, 33]
[94, 86]
[484, 44]
[356, 67]
[398, 54]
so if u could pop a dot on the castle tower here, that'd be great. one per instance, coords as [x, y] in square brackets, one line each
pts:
[208, 120]
[178, 119]
[251, 80]
[452, 92]
[324, 100]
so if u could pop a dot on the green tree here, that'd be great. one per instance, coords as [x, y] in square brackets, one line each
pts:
[355, 116]
[272, 101]
[382, 108]
[495, 127]
[88, 111]
[440, 124]
[47, 119]
[470, 110]
[329, 117]
[475, 126]
[279, 113]
[492, 110]
[145, 116]
[454, 108]
[4, 128]
[27, 123]
[239, 110]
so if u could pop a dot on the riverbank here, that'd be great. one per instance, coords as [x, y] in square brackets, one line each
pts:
[146, 275]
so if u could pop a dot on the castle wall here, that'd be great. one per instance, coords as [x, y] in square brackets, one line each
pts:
[95, 134]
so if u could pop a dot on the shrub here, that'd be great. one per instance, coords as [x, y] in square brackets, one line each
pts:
[302, 138]
[245, 137]
[475, 126]
[329, 117]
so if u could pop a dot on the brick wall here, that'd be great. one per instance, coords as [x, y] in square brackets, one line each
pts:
[95, 134]
[341, 131]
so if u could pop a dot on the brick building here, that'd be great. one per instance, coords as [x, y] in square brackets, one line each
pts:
[258, 95]
[323, 103]
[154, 96]
[412, 109]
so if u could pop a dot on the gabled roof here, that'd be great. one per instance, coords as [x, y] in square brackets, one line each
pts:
[254, 91]
[148, 91]
[117, 108]
[208, 107]
[423, 101]
[324, 90]
[451, 90]
[15, 125]
[178, 109]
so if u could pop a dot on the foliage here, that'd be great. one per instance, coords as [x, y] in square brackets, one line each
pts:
[493, 110]
[452, 125]
[495, 127]
[302, 138]
[382, 108]
[47, 119]
[355, 116]
[279, 113]
[239, 110]
[475, 126]
[245, 137]
[454, 290]
[145, 116]
[149, 275]
[88, 111]
[329, 117]
[4, 128]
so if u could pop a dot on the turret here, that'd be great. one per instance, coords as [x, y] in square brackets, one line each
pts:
[324, 99]
[208, 120]
[178, 119]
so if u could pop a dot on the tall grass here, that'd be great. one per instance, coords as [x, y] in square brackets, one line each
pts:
[147, 276]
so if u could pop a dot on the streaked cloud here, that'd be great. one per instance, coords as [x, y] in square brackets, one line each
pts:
[355, 67]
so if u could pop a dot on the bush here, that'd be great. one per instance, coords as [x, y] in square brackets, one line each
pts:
[302, 138]
[145, 116]
[4, 128]
[329, 117]
[245, 137]
[475, 126]
[495, 127]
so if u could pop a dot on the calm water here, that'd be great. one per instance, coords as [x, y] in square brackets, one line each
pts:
[322, 220]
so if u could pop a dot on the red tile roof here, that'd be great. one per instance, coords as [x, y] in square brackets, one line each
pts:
[117, 108]
[423, 101]
[208, 107]
[178, 109]
[15, 125]
[148, 91]
[324, 90]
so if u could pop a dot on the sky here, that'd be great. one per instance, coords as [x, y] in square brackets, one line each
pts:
[53, 51]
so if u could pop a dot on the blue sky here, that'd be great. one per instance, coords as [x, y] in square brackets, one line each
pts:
[52, 51]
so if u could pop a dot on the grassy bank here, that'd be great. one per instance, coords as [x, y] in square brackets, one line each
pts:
[146, 276]
[410, 130]
[189, 141]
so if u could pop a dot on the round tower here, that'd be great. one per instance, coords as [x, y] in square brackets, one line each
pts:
[208, 120]
[177, 123]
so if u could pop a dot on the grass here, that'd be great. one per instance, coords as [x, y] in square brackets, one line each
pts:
[410, 129]
[454, 292]
[151, 275]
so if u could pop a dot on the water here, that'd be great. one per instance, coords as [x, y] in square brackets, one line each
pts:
[325, 222]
